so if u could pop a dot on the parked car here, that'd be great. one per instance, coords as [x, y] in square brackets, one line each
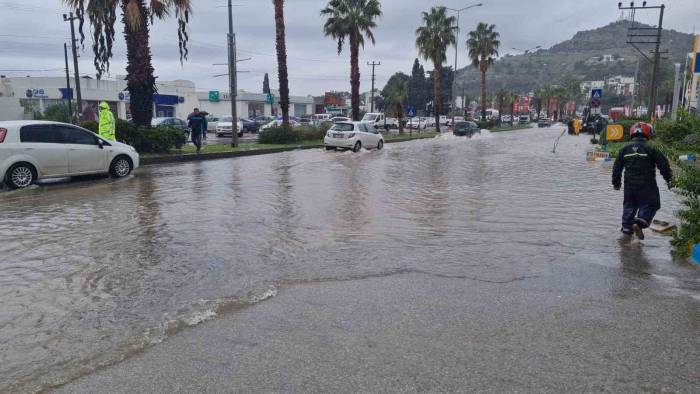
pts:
[263, 120]
[249, 126]
[277, 123]
[353, 135]
[318, 119]
[429, 121]
[444, 120]
[380, 121]
[35, 150]
[417, 123]
[507, 119]
[544, 122]
[224, 127]
[524, 119]
[173, 122]
[211, 123]
[466, 129]
[457, 119]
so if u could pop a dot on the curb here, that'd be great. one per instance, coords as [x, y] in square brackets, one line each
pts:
[190, 157]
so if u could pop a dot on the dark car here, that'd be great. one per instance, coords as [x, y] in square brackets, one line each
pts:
[466, 129]
[544, 122]
[173, 122]
[263, 120]
[249, 126]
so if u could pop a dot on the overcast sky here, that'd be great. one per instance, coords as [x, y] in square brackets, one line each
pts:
[32, 35]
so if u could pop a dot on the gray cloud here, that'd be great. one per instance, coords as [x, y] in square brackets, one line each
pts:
[31, 38]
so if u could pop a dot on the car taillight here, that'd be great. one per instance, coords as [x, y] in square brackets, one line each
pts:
[3, 133]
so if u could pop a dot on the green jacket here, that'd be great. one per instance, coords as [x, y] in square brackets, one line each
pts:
[639, 161]
[107, 129]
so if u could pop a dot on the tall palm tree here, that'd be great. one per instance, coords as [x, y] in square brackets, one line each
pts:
[137, 16]
[483, 44]
[396, 98]
[282, 61]
[352, 20]
[432, 40]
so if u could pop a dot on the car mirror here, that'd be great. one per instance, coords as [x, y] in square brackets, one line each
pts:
[100, 143]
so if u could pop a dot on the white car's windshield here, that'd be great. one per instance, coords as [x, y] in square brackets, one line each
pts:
[226, 119]
[342, 127]
[369, 118]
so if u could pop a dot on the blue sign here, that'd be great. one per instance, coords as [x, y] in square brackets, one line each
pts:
[410, 111]
[596, 93]
[696, 253]
[697, 63]
[66, 94]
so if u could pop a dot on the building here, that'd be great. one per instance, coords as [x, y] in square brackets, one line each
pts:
[586, 86]
[336, 103]
[250, 105]
[21, 97]
[621, 86]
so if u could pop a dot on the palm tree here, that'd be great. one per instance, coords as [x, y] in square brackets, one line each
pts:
[282, 61]
[396, 98]
[352, 20]
[432, 40]
[137, 16]
[501, 98]
[483, 44]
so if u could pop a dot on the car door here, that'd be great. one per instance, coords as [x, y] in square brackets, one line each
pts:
[85, 155]
[41, 143]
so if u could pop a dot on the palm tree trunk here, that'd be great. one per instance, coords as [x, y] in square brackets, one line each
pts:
[139, 71]
[282, 61]
[355, 75]
[500, 110]
[436, 101]
[483, 92]
[399, 114]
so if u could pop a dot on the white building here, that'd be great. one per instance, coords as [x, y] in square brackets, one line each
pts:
[586, 86]
[249, 105]
[21, 97]
[622, 86]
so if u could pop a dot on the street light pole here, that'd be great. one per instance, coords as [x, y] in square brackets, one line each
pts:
[454, 77]
[69, 94]
[232, 76]
[79, 98]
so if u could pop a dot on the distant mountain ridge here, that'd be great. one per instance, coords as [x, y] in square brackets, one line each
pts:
[589, 55]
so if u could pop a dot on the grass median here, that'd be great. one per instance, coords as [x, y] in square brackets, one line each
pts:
[510, 128]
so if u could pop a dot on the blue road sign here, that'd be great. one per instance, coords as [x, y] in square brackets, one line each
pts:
[410, 111]
[596, 93]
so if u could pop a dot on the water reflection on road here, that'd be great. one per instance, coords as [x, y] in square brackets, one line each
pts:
[94, 270]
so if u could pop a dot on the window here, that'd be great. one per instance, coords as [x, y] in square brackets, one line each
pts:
[342, 127]
[38, 134]
[362, 128]
[371, 129]
[70, 135]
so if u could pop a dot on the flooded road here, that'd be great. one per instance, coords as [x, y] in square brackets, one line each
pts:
[92, 272]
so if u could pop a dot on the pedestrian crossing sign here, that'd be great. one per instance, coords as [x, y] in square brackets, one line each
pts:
[596, 93]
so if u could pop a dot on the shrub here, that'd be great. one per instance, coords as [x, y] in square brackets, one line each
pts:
[90, 125]
[158, 139]
[487, 124]
[127, 132]
[280, 135]
[688, 234]
[55, 113]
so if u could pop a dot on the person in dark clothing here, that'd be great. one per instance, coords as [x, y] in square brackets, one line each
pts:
[197, 122]
[570, 126]
[639, 161]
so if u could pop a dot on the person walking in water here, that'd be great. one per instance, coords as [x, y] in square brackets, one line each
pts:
[197, 122]
[107, 126]
[639, 161]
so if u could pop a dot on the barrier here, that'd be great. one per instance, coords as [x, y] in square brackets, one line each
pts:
[690, 157]
[696, 253]
[615, 133]
[598, 156]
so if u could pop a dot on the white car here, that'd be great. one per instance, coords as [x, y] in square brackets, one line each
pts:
[34, 150]
[417, 123]
[456, 118]
[224, 127]
[353, 135]
[278, 123]
[506, 119]
[429, 121]
[338, 119]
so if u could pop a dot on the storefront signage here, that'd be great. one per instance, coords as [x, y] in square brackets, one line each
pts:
[36, 93]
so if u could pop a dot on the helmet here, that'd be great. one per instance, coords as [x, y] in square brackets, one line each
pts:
[641, 129]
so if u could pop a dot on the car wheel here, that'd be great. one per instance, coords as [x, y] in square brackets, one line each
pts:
[380, 145]
[20, 175]
[357, 147]
[331, 148]
[121, 166]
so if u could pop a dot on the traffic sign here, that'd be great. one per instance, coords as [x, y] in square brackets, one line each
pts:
[410, 111]
[595, 103]
[596, 93]
[214, 96]
[270, 98]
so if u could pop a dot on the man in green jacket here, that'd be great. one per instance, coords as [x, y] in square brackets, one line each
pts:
[107, 127]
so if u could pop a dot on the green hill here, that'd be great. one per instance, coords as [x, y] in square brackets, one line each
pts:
[579, 58]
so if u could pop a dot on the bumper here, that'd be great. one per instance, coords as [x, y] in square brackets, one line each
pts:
[340, 142]
[136, 159]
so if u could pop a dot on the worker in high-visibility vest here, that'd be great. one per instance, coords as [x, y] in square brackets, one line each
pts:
[107, 126]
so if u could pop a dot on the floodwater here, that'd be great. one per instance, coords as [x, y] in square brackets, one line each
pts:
[96, 270]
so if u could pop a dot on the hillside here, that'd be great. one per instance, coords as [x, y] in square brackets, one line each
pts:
[580, 58]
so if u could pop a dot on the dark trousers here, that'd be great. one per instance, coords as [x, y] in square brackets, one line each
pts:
[197, 139]
[640, 207]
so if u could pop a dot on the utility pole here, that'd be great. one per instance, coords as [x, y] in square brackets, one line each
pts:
[79, 98]
[648, 36]
[373, 64]
[676, 91]
[69, 93]
[232, 76]
[454, 75]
